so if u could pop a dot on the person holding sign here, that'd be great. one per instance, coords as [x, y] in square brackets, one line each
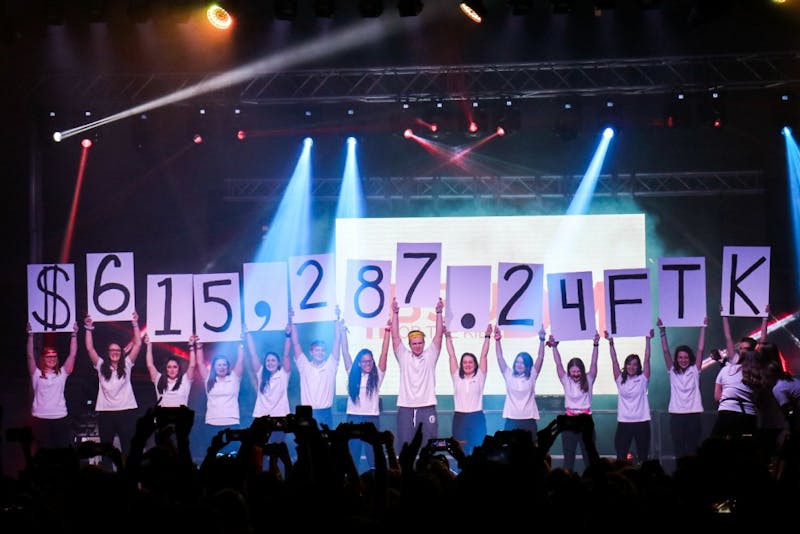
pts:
[222, 382]
[685, 401]
[520, 410]
[271, 380]
[416, 399]
[116, 404]
[578, 385]
[172, 386]
[633, 407]
[318, 375]
[469, 379]
[364, 381]
[50, 423]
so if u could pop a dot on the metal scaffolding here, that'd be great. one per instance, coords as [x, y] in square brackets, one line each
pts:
[634, 76]
[500, 188]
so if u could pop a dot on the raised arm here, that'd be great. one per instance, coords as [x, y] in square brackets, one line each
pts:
[729, 344]
[337, 337]
[764, 322]
[664, 344]
[701, 345]
[646, 364]
[148, 359]
[298, 350]
[238, 365]
[286, 361]
[29, 351]
[190, 370]
[69, 363]
[498, 348]
[252, 356]
[88, 326]
[395, 320]
[483, 363]
[437, 335]
[553, 344]
[537, 365]
[595, 352]
[451, 352]
[136, 341]
[613, 352]
[202, 366]
[387, 334]
[345, 346]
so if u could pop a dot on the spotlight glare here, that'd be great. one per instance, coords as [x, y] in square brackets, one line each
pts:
[57, 137]
[473, 10]
[608, 133]
[240, 135]
[86, 143]
[308, 142]
[197, 139]
[408, 133]
[434, 127]
[351, 140]
[786, 131]
[218, 17]
[501, 131]
[473, 127]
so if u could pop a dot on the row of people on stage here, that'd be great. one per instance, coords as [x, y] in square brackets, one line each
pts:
[752, 385]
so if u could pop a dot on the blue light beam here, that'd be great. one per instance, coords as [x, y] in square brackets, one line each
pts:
[793, 168]
[583, 196]
[289, 232]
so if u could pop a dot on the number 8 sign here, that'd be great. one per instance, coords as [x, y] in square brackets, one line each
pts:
[368, 292]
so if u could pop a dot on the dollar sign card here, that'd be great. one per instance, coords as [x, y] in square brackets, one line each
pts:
[51, 297]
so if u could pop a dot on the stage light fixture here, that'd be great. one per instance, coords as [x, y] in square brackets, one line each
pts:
[285, 9]
[568, 122]
[219, 17]
[324, 8]
[717, 108]
[474, 10]
[520, 7]
[370, 8]
[409, 8]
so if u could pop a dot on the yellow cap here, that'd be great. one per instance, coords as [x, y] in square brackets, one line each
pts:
[415, 334]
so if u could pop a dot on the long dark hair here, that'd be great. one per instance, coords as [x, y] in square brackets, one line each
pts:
[354, 378]
[527, 359]
[212, 374]
[161, 387]
[688, 350]
[754, 373]
[105, 367]
[629, 359]
[265, 373]
[577, 362]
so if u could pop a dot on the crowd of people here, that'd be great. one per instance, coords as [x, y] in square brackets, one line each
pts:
[752, 449]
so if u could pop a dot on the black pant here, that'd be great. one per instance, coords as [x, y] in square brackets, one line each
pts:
[627, 434]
